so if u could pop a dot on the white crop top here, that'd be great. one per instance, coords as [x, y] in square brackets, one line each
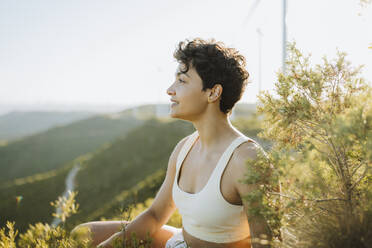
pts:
[206, 215]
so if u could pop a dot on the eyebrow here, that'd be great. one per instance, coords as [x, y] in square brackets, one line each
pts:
[179, 73]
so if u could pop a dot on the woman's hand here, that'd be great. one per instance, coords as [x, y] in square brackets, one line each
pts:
[109, 243]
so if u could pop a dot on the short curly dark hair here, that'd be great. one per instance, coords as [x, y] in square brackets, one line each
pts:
[216, 64]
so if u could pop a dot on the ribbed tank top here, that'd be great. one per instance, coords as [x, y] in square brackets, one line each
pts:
[206, 214]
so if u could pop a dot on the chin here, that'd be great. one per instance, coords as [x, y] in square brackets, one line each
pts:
[183, 115]
[175, 115]
[173, 112]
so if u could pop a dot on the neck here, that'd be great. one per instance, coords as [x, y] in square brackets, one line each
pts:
[213, 129]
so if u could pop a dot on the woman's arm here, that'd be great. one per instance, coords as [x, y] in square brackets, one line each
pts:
[151, 220]
[142, 225]
[259, 229]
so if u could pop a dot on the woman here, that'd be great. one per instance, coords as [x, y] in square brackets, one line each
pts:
[205, 168]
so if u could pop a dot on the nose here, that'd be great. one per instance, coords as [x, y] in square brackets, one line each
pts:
[170, 90]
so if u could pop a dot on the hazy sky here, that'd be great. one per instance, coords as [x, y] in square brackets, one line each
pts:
[120, 52]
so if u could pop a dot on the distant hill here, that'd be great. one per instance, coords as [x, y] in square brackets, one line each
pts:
[16, 125]
[241, 110]
[59, 145]
[49, 149]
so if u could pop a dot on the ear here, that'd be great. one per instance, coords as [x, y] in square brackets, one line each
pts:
[215, 93]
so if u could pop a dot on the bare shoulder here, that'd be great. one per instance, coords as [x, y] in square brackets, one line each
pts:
[246, 151]
[239, 164]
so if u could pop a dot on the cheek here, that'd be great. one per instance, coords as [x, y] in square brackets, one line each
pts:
[193, 105]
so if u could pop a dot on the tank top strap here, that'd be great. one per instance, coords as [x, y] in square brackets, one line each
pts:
[186, 148]
[221, 165]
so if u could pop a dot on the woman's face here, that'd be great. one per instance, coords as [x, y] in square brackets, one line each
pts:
[188, 100]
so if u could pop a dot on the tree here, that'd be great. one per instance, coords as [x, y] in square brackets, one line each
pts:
[320, 123]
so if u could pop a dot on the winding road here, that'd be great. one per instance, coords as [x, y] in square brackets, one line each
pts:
[70, 185]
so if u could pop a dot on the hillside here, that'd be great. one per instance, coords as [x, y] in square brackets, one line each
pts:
[34, 195]
[17, 125]
[243, 110]
[51, 149]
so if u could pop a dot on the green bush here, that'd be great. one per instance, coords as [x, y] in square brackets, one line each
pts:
[43, 235]
[320, 123]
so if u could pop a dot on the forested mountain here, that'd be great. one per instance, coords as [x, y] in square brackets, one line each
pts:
[57, 146]
[27, 200]
[243, 110]
[17, 125]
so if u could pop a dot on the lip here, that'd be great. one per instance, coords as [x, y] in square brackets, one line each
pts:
[173, 103]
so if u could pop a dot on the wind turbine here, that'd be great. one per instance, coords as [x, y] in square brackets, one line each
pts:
[284, 49]
[284, 27]
[260, 34]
